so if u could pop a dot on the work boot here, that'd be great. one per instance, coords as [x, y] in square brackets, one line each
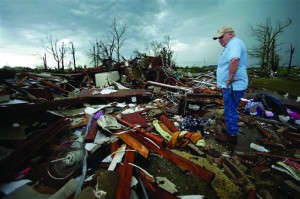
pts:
[225, 138]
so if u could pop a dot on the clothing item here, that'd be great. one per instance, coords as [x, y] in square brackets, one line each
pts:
[193, 123]
[293, 114]
[273, 104]
[254, 108]
[108, 122]
[222, 31]
[269, 114]
[235, 48]
[181, 138]
[231, 101]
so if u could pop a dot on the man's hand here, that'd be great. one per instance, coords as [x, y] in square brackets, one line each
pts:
[229, 81]
[233, 66]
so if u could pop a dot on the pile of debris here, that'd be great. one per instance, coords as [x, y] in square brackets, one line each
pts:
[141, 132]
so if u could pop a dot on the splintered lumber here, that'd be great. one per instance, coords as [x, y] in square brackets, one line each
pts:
[277, 156]
[199, 171]
[135, 118]
[159, 141]
[28, 149]
[114, 146]
[126, 171]
[168, 123]
[264, 131]
[44, 82]
[92, 131]
[135, 144]
[16, 88]
[87, 76]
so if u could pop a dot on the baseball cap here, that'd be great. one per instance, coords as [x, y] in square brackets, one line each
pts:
[223, 30]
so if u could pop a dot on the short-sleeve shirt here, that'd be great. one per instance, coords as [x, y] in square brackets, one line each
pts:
[235, 48]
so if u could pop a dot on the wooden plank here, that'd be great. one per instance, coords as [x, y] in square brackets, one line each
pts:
[126, 175]
[157, 140]
[199, 171]
[135, 144]
[92, 131]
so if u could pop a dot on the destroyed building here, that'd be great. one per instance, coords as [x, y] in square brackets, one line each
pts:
[141, 130]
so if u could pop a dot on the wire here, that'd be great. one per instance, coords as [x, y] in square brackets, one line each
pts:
[142, 170]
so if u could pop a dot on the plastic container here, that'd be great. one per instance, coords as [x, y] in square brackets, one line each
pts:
[258, 148]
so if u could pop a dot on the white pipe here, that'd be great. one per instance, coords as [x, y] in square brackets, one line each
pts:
[170, 86]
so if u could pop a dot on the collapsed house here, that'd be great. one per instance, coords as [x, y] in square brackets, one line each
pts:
[141, 130]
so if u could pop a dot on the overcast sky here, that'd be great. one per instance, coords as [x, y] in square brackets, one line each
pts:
[191, 24]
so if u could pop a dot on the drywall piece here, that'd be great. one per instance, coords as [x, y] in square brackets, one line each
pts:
[102, 79]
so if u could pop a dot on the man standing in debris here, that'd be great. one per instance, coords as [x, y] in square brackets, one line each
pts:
[232, 78]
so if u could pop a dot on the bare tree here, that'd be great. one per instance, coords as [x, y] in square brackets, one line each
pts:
[266, 50]
[292, 50]
[63, 50]
[72, 50]
[118, 31]
[45, 61]
[107, 50]
[50, 44]
[167, 52]
[164, 50]
[104, 49]
[44, 58]
[102, 52]
[156, 47]
[97, 54]
[94, 54]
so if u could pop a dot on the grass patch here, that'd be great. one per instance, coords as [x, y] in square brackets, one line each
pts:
[280, 85]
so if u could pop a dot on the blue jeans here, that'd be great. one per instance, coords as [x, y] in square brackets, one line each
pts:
[231, 101]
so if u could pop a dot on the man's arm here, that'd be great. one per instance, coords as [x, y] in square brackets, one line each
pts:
[233, 66]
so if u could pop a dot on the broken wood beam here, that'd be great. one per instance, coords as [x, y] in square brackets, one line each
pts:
[126, 171]
[15, 88]
[199, 171]
[87, 76]
[264, 131]
[14, 111]
[157, 140]
[134, 143]
[135, 118]
[277, 156]
[165, 120]
[271, 143]
[18, 157]
[271, 121]
[233, 171]
[44, 82]
[128, 95]
[93, 128]
[114, 147]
